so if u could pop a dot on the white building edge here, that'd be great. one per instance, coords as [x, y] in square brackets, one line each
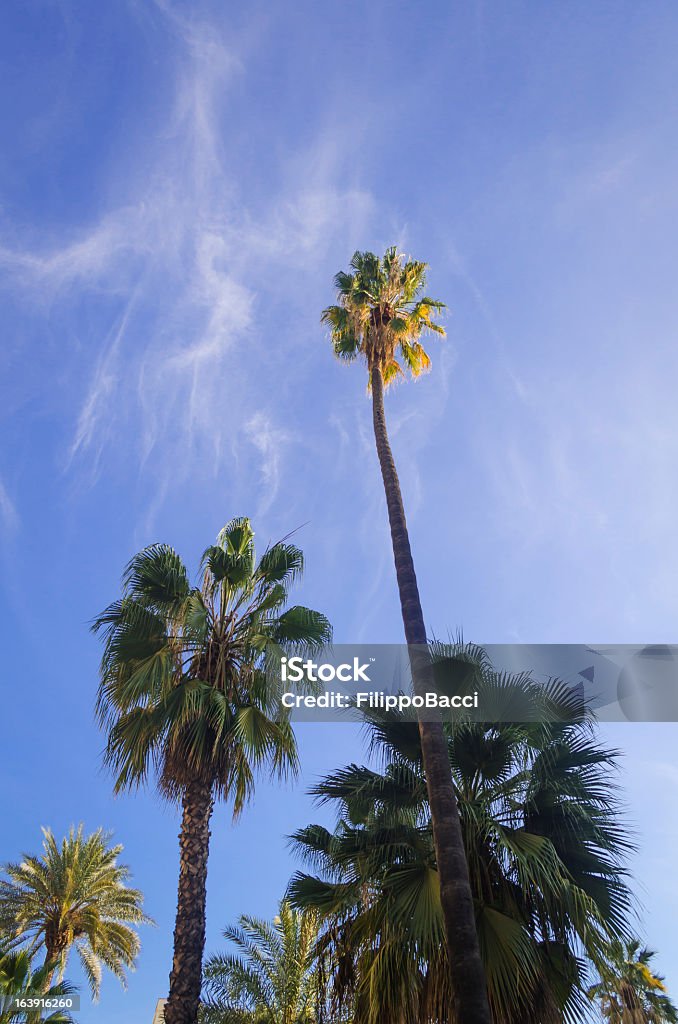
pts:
[159, 1015]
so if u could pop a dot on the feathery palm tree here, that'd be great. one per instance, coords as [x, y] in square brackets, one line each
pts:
[185, 692]
[629, 990]
[74, 895]
[273, 979]
[381, 316]
[545, 848]
[18, 980]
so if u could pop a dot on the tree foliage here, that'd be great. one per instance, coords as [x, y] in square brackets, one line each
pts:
[189, 693]
[19, 980]
[382, 315]
[272, 978]
[545, 847]
[629, 990]
[74, 896]
[184, 687]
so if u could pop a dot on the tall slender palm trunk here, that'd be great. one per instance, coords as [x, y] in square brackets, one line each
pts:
[466, 968]
[189, 929]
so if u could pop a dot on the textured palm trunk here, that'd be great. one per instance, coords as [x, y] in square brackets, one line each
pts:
[189, 929]
[466, 968]
[56, 945]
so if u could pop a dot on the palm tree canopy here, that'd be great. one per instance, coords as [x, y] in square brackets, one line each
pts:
[545, 849]
[18, 980]
[381, 313]
[184, 683]
[75, 894]
[630, 991]
[272, 979]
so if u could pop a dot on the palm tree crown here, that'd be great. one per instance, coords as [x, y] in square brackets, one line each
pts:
[184, 686]
[273, 978]
[381, 314]
[75, 895]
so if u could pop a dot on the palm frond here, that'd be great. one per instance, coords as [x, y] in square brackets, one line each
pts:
[156, 576]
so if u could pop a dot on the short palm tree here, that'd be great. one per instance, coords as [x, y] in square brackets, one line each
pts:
[546, 851]
[273, 977]
[74, 896]
[629, 990]
[18, 980]
[185, 692]
[381, 315]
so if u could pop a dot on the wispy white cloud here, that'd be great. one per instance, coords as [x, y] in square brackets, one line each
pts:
[89, 429]
[269, 442]
[86, 260]
[8, 512]
[176, 270]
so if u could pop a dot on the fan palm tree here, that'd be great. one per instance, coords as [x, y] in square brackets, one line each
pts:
[273, 979]
[381, 316]
[74, 896]
[18, 981]
[629, 990]
[545, 847]
[185, 693]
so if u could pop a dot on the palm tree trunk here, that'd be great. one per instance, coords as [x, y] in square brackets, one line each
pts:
[56, 945]
[189, 929]
[466, 968]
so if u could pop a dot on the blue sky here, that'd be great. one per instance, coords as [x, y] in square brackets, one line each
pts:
[178, 184]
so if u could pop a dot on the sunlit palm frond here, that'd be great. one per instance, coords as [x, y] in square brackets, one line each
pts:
[75, 895]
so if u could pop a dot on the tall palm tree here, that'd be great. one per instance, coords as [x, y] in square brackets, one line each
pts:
[74, 895]
[381, 316]
[545, 846]
[272, 979]
[18, 980]
[185, 692]
[629, 990]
